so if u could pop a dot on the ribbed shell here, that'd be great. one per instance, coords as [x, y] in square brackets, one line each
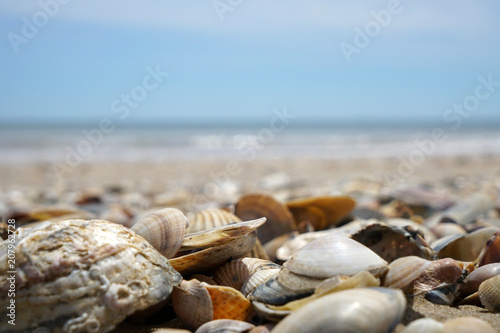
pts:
[164, 229]
[489, 293]
[228, 303]
[225, 326]
[236, 272]
[210, 218]
[257, 279]
[192, 303]
[403, 271]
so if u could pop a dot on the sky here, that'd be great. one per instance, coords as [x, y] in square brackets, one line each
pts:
[235, 61]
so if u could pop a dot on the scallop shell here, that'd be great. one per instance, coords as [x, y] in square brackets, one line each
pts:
[355, 310]
[83, 275]
[164, 229]
[321, 212]
[209, 219]
[196, 303]
[236, 272]
[225, 326]
[280, 219]
[489, 293]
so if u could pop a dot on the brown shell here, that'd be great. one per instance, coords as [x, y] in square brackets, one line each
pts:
[192, 303]
[322, 212]
[164, 229]
[209, 219]
[489, 293]
[491, 251]
[228, 303]
[236, 272]
[279, 218]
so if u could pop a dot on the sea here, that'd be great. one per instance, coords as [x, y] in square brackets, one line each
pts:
[157, 144]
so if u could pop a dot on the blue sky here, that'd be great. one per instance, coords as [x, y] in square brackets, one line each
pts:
[262, 55]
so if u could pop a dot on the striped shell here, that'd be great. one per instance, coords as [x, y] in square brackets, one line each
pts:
[236, 272]
[209, 219]
[164, 229]
[489, 293]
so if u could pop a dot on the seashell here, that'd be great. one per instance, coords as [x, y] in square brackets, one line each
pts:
[440, 271]
[445, 229]
[422, 196]
[258, 251]
[403, 271]
[280, 219]
[466, 325]
[443, 294]
[489, 293]
[196, 303]
[391, 243]
[164, 229]
[236, 272]
[468, 210]
[264, 311]
[463, 247]
[321, 212]
[262, 328]
[216, 246]
[274, 292]
[412, 226]
[209, 219]
[427, 325]
[273, 245]
[204, 278]
[355, 310]
[79, 275]
[57, 213]
[285, 251]
[491, 251]
[478, 276]
[258, 278]
[225, 326]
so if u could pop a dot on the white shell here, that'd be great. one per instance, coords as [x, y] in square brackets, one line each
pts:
[354, 310]
[403, 271]
[424, 325]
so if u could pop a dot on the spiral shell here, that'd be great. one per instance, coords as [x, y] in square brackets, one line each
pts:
[164, 229]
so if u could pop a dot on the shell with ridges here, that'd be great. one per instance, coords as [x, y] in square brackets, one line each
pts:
[164, 229]
[209, 219]
[489, 293]
[258, 278]
[403, 271]
[236, 272]
[225, 326]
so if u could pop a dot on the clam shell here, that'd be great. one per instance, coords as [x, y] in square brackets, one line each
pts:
[164, 229]
[403, 271]
[478, 276]
[83, 275]
[236, 272]
[225, 326]
[466, 325]
[427, 325]
[280, 219]
[321, 212]
[333, 255]
[209, 219]
[196, 303]
[489, 293]
[463, 247]
[491, 251]
[258, 278]
[440, 271]
[391, 242]
[447, 229]
[468, 210]
[355, 310]
[273, 291]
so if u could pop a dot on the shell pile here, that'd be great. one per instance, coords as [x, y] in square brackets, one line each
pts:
[357, 262]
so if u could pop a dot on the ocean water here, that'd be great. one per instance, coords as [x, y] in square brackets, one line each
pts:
[26, 145]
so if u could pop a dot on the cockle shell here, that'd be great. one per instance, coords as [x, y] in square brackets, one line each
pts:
[225, 326]
[489, 293]
[213, 247]
[196, 303]
[236, 272]
[79, 275]
[354, 310]
[164, 229]
[321, 212]
[280, 219]
[209, 219]
[258, 278]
